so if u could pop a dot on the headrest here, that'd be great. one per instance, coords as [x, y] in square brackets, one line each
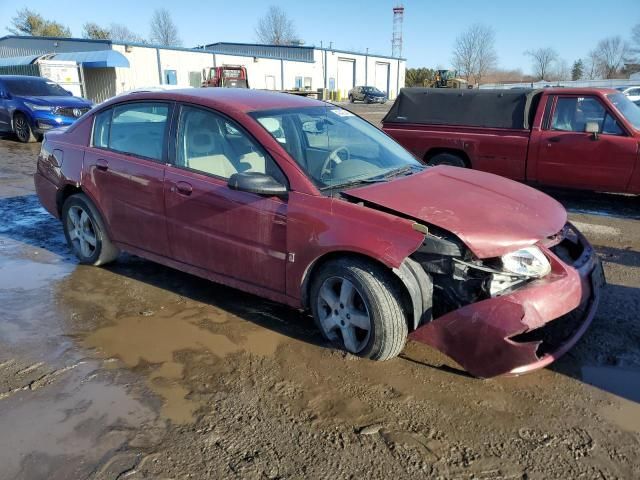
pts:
[202, 141]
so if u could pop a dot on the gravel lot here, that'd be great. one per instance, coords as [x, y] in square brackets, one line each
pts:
[139, 371]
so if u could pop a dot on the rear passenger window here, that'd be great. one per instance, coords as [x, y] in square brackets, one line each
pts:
[134, 128]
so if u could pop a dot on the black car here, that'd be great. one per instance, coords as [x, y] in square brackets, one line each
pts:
[367, 95]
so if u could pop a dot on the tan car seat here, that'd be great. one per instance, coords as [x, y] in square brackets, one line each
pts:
[205, 153]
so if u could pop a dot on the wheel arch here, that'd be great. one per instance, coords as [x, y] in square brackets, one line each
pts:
[453, 151]
[411, 280]
[73, 189]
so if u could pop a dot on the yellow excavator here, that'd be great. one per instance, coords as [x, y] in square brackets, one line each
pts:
[447, 79]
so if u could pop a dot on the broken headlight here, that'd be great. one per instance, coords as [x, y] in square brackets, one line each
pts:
[529, 261]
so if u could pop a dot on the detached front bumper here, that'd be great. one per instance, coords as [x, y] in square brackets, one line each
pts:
[530, 327]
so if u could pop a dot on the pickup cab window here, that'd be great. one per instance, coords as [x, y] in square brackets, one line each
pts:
[572, 114]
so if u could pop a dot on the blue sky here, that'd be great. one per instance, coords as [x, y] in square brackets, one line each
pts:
[572, 27]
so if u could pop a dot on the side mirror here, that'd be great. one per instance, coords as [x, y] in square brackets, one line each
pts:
[592, 128]
[259, 183]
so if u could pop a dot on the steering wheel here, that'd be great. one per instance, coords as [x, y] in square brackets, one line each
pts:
[333, 156]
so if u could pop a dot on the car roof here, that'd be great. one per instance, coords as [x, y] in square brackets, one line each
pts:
[240, 99]
[579, 90]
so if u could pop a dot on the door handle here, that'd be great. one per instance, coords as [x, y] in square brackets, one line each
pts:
[102, 164]
[182, 188]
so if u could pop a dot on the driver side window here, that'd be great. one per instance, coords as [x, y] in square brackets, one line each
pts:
[209, 143]
[572, 114]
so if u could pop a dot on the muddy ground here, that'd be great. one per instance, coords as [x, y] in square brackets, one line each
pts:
[139, 371]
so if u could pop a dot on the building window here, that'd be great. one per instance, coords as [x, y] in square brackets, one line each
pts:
[332, 84]
[307, 83]
[170, 77]
[299, 83]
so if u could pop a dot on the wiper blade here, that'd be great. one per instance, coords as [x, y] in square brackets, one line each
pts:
[354, 182]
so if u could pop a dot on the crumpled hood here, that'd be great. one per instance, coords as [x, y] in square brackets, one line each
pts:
[490, 214]
[59, 101]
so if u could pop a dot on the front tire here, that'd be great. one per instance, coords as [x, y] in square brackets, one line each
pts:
[22, 128]
[85, 232]
[356, 306]
[447, 159]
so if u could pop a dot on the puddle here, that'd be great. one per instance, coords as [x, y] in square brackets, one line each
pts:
[58, 431]
[155, 338]
[624, 383]
[619, 381]
[18, 274]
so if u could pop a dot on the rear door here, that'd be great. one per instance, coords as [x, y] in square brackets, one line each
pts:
[237, 234]
[124, 172]
[568, 156]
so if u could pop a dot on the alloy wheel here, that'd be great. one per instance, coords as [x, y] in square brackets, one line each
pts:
[81, 231]
[344, 316]
[21, 128]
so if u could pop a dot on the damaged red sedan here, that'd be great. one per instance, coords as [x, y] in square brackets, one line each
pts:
[306, 204]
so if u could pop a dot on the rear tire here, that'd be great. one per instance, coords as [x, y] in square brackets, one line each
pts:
[356, 305]
[85, 232]
[22, 129]
[350, 98]
[448, 159]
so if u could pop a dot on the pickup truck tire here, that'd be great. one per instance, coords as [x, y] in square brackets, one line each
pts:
[351, 98]
[447, 159]
[356, 306]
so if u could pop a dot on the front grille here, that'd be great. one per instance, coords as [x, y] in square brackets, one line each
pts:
[555, 333]
[71, 112]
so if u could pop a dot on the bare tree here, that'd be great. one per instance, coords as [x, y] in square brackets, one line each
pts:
[542, 60]
[592, 70]
[28, 22]
[121, 33]
[634, 50]
[95, 31]
[474, 52]
[562, 70]
[610, 54]
[276, 28]
[163, 29]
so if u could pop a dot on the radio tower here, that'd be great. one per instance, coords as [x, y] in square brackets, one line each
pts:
[396, 39]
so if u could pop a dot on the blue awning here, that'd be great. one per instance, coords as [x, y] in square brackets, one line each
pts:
[94, 59]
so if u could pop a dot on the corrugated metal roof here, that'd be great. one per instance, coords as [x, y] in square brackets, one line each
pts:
[16, 61]
[93, 59]
[295, 53]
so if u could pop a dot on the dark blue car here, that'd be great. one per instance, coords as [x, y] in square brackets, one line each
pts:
[29, 106]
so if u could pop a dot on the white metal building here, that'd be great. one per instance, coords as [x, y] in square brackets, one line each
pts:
[131, 65]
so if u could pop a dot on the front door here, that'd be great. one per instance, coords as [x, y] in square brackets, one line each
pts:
[124, 173]
[568, 156]
[236, 234]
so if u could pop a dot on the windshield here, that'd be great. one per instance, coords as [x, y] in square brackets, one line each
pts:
[36, 86]
[371, 90]
[627, 108]
[336, 148]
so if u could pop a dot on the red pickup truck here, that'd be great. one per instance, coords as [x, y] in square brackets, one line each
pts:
[570, 137]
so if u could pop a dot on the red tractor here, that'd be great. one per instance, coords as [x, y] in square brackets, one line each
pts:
[230, 76]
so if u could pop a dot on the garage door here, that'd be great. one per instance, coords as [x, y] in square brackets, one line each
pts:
[382, 77]
[346, 75]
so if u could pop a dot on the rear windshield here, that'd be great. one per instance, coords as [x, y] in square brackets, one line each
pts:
[36, 86]
[626, 107]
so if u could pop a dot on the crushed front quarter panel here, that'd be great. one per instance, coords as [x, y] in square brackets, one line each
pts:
[479, 336]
